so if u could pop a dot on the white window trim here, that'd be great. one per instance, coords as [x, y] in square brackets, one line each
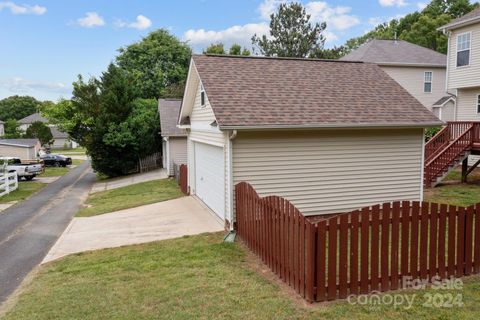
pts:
[431, 82]
[469, 50]
[478, 103]
[202, 90]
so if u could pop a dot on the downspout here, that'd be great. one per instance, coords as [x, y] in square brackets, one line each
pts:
[231, 137]
[167, 155]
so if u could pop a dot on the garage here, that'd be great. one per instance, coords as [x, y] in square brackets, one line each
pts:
[209, 177]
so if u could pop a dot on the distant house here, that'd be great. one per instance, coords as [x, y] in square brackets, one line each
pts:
[419, 70]
[329, 136]
[26, 149]
[61, 139]
[174, 140]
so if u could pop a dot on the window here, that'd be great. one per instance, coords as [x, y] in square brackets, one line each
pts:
[463, 49]
[202, 96]
[478, 103]
[427, 83]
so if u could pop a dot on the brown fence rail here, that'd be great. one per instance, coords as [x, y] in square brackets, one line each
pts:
[366, 250]
[183, 178]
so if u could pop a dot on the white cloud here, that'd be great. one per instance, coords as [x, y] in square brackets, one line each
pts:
[235, 34]
[22, 9]
[393, 3]
[140, 23]
[21, 85]
[337, 18]
[421, 5]
[91, 19]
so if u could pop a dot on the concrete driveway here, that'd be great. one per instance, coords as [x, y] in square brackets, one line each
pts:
[158, 221]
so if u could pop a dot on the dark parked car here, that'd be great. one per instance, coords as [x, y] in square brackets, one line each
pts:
[56, 160]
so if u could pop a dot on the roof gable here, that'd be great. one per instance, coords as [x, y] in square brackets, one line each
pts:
[396, 52]
[279, 92]
[34, 117]
[169, 110]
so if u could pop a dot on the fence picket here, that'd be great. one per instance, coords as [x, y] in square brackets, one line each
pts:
[375, 235]
[468, 239]
[332, 258]
[424, 241]
[460, 241]
[354, 288]
[432, 257]
[405, 237]
[442, 236]
[452, 217]
[364, 263]
[394, 265]
[343, 262]
[385, 283]
[321, 259]
[414, 239]
[476, 246]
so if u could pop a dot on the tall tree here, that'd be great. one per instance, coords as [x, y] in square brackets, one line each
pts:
[236, 50]
[215, 48]
[111, 122]
[219, 48]
[12, 129]
[156, 62]
[424, 33]
[40, 131]
[18, 107]
[291, 33]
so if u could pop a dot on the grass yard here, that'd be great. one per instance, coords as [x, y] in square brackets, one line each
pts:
[196, 277]
[75, 151]
[60, 171]
[25, 189]
[131, 196]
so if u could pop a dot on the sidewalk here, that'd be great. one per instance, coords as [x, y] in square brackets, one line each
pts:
[128, 180]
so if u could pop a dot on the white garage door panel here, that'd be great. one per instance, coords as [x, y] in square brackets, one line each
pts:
[209, 177]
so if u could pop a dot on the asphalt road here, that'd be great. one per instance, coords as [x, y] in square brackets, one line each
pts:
[29, 229]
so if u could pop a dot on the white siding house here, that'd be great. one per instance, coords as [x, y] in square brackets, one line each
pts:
[174, 140]
[421, 71]
[295, 137]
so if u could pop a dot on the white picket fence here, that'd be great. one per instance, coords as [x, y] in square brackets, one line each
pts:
[8, 182]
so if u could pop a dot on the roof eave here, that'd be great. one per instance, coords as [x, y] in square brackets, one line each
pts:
[335, 126]
[459, 24]
[401, 64]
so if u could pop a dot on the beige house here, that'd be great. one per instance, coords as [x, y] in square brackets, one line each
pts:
[60, 138]
[25, 149]
[329, 136]
[174, 140]
[463, 70]
[419, 70]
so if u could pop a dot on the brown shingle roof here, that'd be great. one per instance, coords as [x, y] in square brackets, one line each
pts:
[472, 17]
[278, 92]
[396, 52]
[169, 111]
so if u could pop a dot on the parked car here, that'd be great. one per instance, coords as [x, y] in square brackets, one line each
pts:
[28, 171]
[56, 160]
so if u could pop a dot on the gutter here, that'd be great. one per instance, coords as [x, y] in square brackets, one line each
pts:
[419, 65]
[334, 126]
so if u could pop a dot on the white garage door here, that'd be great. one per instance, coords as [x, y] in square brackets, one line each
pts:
[209, 177]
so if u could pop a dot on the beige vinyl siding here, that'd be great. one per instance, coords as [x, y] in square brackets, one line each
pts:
[201, 131]
[467, 104]
[17, 152]
[331, 171]
[178, 152]
[412, 79]
[468, 76]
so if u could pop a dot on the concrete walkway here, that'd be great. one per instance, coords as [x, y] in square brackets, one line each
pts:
[158, 221]
[128, 180]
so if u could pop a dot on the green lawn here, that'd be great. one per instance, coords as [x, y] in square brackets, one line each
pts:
[25, 189]
[60, 171]
[78, 150]
[131, 196]
[196, 277]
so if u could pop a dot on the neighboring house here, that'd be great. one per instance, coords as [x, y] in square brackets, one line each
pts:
[2, 128]
[329, 136]
[463, 71]
[174, 140]
[61, 139]
[419, 70]
[26, 149]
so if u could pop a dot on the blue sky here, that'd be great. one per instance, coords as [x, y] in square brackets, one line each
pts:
[45, 44]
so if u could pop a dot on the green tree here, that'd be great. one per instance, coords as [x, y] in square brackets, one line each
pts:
[18, 107]
[12, 129]
[333, 53]
[111, 122]
[156, 62]
[236, 50]
[424, 33]
[291, 33]
[215, 48]
[40, 131]
[453, 8]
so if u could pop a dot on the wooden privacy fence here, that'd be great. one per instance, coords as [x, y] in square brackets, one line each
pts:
[183, 178]
[150, 162]
[366, 250]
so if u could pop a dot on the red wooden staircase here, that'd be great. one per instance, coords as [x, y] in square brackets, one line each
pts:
[448, 148]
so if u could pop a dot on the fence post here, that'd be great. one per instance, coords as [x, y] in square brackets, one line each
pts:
[310, 257]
